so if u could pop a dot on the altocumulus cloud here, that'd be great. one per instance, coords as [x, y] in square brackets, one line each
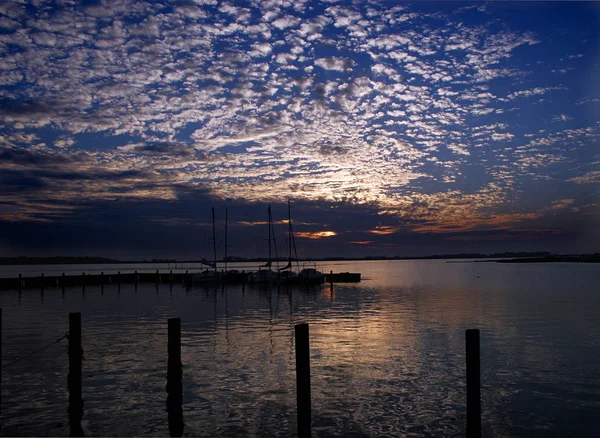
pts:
[439, 119]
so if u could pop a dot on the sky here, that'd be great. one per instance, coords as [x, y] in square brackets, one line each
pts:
[393, 128]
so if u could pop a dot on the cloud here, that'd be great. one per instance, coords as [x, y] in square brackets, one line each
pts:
[383, 230]
[315, 235]
[286, 22]
[335, 63]
[532, 92]
[379, 106]
[590, 177]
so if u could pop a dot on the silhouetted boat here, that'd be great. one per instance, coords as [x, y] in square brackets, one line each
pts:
[208, 276]
[267, 275]
[310, 276]
[305, 276]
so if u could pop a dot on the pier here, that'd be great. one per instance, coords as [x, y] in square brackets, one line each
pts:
[85, 279]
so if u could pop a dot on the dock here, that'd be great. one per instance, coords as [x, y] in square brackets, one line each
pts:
[342, 277]
[169, 277]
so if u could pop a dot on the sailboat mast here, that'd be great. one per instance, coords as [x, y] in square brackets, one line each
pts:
[214, 241]
[225, 240]
[269, 210]
[289, 235]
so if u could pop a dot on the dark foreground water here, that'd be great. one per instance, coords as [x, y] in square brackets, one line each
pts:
[387, 354]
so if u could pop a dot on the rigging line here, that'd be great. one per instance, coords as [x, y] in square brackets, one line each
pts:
[66, 335]
[295, 251]
[274, 243]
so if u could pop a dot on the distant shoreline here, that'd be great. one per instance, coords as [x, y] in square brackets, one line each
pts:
[536, 257]
[588, 258]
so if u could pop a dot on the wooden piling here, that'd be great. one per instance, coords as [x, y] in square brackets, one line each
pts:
[74, 377]
[0, 362]
[42, 282]
[174, 376]
[20, 283]
[473, 384]
[303, 380]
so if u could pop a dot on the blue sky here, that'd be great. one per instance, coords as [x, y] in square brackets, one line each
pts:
[397, 128]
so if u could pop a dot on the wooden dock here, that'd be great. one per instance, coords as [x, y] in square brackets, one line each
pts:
[169, 277]
[342, 277]
[85, 279]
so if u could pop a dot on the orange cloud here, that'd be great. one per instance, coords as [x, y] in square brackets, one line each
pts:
[254, 223]
[383, 230]
[315, 234]
[362, 242]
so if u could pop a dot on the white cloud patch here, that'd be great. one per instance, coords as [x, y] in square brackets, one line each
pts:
[335, 63]
[286, 22]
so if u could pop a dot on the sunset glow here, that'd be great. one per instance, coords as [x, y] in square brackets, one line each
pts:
[316, 234]
[446, 119]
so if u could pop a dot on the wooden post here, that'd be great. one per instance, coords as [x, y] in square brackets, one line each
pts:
[42, 282]
[63, 280]
[157, 277]
[174, 375]
[0, 361]
[119, 278]
[20, 283]
[136, 278]
[74, 378]
[303, 380]
[102, 277]
[473, 384]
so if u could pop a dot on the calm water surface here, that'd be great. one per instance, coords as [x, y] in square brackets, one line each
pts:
[387, 354]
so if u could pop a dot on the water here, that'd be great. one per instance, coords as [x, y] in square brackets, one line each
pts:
[387, 355]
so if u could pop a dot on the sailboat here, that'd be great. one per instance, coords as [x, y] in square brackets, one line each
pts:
[210, 276]
[231, 276]
[305, 276]
[266, 275]
[286, 274]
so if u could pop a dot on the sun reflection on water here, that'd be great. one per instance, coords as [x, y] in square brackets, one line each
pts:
[386, 354]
